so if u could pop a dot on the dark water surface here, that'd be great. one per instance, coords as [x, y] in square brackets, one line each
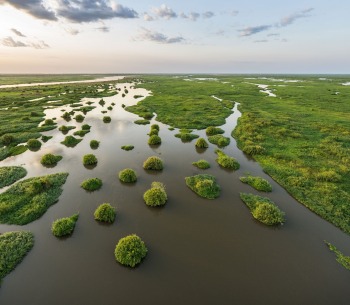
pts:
[200, 251]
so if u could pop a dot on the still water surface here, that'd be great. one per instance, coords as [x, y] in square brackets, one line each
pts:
[200, 251]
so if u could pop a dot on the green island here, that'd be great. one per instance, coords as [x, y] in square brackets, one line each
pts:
[341, 258]
[105, 213]
[156, 195]
[204, 186]
[64, 226]
[258, 183]
[10, 174]
[130, 250]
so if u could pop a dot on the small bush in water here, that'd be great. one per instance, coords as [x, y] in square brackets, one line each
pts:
[33, 144]
[91, 184]
[258, 183]
[154, 140]
[202, 164]
[127, 175]
[105, 213]
[94, 144]
[64, 226]
[153, 163]
[89, 159]
[50, 159]
[201, 143]
[156, 195]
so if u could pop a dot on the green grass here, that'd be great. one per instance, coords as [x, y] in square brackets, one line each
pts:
[186, 136]
[341, 258]
[127, 147]
[14, 246]
[201, 143]
[263, 209]
[130, 251]
[105, 213]
[258, 183]
[71, 141]
[226, 161]
[154, 140]
[64, 129]
[212, 130]
[89, 159]
[156, 195]
[29, 199]
[204, 186]
[33, 144]
[153, 163]
[81, 133]
[142, 122]
[127, 175]
[94, 144]
[50, 159]
[219, 140]
[107, 119]
[202, 164]
[10, 174]
[46, 138]
[64, 226]
[91, 184]
[79, 118]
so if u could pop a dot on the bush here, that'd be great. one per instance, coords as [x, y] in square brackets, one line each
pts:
[212, 130]
[64, 226]
[66, 116]
[33, 144]
[153, 163]
[105, 213]
[91, 184]
[89, 159]
[253, 150]
[79, 118]
[94, 144]
[86, 127]
[130, 250]
[10, 174]
[7, 139]
[258, 183]
[102, 102]
[202, 143]
[107, 119]
[219, 140]
[50, 159]
[70, 141]
[110, 108]
[226, 161]
[45, 138]
[65, 128]
[202, 164]
[154, 140]
[142, 122]
[204, 185]
[127, 147]
[153, 132]
[127, 175]
[49, 122]
[155, 126]
[156, 195]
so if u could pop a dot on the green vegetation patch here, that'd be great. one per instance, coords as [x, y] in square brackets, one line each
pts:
[107, 119]
[156, 195]
[127, 175]
[226, 161]
[10, 174]
[71, 141]
[14, 246]
[50, 159]
[89, 159]
[263, 209]
[202, 164]
[153, 163]
[258, 183]
[64, 226]
[204, 186]
[33, 144]
[46, 138]
[105, 213]
[219, 140]
[130, 250]
[154, 140]
[79, 118]
[212, 130]
[127, 147]
[142, 122]
[64, 129]
[29, 199]
[341, 258]
[91, 184]
[186, 136]
[201, 143]
[94, 144]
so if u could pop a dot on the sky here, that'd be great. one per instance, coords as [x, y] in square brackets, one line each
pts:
[221, 36]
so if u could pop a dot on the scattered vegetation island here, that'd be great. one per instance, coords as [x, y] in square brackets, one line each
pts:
[11, 174]
[258, 183]
[89, 159]
[79, 118]
[71, 141]
[341, 258]
[91, 184]
[156, 195]
[27, 200]
[33, 144]
[130, 250]
[107, 119]
[154, 140]
[46, 138]
[127, 147]
[64, 226]
[94, 144]
[263, 209]
[212, 130]
[153, 163]
[14, 246]
[105, 213]
[201, 143]
[226, 161]
[50, 159]
[202, 164]
[204, 186]
[142, 122]
[127, 175]
[186, 135]
[64, 129]
[219, 140]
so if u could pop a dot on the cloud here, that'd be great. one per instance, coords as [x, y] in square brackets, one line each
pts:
[261, 41]
[147, 17]
[104, 29]
[32, 7]
[208, 15]
[164, 12]
[248, 31]
[93, 10]
[18, 33]
[273, 34]
[193, 16]
[291, 18]
[72, 31]
[234, 13]
[159, 37]
[10, 42]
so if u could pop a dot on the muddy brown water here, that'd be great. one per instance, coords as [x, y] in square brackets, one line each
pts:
[200, 251]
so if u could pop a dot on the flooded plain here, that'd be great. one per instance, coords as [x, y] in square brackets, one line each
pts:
[199, 251]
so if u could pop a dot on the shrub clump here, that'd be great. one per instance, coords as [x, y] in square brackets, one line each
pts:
[130, 250]
[153, 132]
[142, 122]
[10, 174]
[94, 144]
[253, 150]
[64, 226]
[127, 175]
[154, 140]
[91, 184]
[258, 183]
[204, 185]
[155, 126]
[86, 127]
[33, 144]
[201, 143]
[70, 141]
[153, 163]
[107, 119]
[50, 159]
[105, 213]
[79, 118]
[212, 130]
[226, 161]
[219, 140]
[127, 147]
[263, 209]
[202, 164]
[48, 122]
[89, 159]
[64, 129]
[156, 195]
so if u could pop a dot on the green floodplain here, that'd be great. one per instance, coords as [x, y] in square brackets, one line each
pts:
[297, 127]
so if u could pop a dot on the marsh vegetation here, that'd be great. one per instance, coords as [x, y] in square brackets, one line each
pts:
[64, 226]
[10, 174]
[105, 213]
[204, 186]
